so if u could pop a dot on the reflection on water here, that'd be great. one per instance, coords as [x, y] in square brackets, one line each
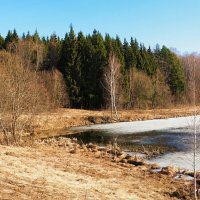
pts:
[179, 139]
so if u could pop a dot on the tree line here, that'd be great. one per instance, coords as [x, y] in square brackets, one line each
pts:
[144, 77]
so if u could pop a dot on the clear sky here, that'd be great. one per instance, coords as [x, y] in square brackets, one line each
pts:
[174, 23]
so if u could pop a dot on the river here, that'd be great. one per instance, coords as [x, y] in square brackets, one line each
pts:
[173, 137]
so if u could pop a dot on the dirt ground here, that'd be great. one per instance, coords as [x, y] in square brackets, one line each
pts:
[45, 172]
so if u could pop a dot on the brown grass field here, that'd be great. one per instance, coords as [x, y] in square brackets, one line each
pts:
[48, 172]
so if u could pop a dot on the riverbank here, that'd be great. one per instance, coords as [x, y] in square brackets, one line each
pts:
[65, 118]
[48, 171]
[56, 170]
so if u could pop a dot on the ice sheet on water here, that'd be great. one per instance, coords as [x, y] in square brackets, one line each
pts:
[143, 126]
[182, 160]
[181, 124]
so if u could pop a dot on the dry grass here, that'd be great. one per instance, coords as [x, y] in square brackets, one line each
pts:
[64, 118]
[46, 172]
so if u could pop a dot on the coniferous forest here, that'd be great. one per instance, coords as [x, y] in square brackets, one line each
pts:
[146, 77]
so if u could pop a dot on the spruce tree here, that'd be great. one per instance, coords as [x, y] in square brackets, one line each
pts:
[108, 45]
[67, 66]
[82, 64]
[135, 48]
[11, 40]
[172, 70]
[28, 36]
[2, 41]
[36, 37]
[52, 49]
[97, 68]
[87, 72]
[118, 50]
[129, 57]
[15, 36]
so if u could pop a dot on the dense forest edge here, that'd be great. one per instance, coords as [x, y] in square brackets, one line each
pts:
[73, 71]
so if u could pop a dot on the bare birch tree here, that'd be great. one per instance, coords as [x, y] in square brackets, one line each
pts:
[192, 64]
[111, 79]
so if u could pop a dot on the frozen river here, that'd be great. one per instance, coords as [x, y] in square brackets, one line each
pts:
[174, 133]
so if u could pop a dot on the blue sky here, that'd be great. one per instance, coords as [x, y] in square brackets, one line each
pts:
[174, 23]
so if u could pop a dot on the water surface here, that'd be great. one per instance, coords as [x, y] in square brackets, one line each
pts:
[173, 137]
